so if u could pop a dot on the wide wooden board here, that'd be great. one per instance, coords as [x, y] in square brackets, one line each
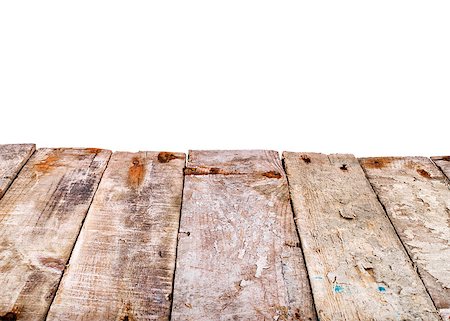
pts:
[443, 162]
[12, 159]
[358, 267]
[40, 218]
[239, 255]
[123, 262]
[416, 196]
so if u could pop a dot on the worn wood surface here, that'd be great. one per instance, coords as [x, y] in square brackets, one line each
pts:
[40, 218]
[416, 196]
[357, 265]
[443, 162]
[123, 262]
[239, 255]
[12, 158]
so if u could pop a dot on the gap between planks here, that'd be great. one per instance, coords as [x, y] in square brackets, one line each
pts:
[48, 201]
[76, 239]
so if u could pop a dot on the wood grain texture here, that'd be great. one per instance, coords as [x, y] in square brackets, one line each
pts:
[357, 266]
[12, 159]
[40, 218]
[239, 255]
[123, 262]
[416, 196]
[443, 162]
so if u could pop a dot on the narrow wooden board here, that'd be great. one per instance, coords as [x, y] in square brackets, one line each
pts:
[239, 255]
[40, 218]
[416, 196]
[12, 159]
[357, 266]
[123, 262]
[443, 162]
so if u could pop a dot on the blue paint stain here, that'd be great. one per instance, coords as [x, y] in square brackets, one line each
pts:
[338, 288]
[318, 278]
[381, 289]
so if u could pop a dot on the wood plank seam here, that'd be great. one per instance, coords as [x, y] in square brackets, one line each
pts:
[123, 262]
[40, 217]
[368, 278]
[3, 192]
[6, 187]
[414, 265]
[443, 158]
[178, 238]
[81, 226]
[298, 234]
[414, 193]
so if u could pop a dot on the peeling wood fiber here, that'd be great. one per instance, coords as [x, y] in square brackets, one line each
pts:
[357, 265]
[239, 256]
[416, 196]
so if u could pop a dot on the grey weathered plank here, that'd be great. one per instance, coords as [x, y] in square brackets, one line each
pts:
[12, 158]
[443, 162]
[416, 196]
[123, 262]
[40, 218]
[239, 256]
[358, 267]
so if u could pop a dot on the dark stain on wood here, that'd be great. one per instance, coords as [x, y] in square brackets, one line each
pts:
[73, 193]
[423, 173]
[47, 164]
[376, 162]
[272, 174]
[292, 244]
[53, 263]
[165, 157]
[136, 172]
[10, 316]
[214, 170]
[306, 159]
[128, 316]
[344, 167]
[92, 150]
[208, 171]
[195, 171]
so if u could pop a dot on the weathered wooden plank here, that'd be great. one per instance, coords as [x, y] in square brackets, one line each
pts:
[123, 262]
[357, 266]
[40, 218]
[239, 256]
[416, 196]
[443, 162]
[12, 159]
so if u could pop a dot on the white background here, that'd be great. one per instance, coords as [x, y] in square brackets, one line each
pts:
[370, 78]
